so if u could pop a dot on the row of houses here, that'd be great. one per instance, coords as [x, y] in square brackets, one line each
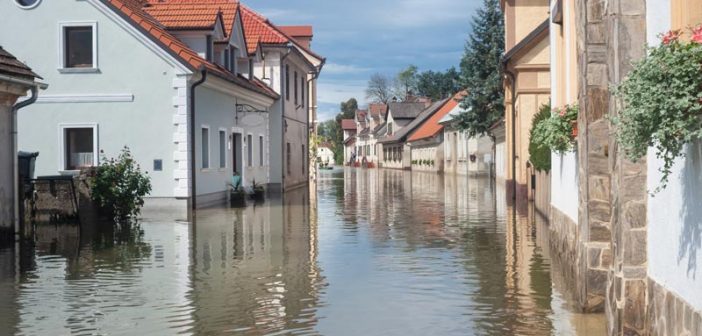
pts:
[421, 135]
[198, 90]
[631, 253]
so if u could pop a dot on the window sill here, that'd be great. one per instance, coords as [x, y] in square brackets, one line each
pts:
[78, 70]
[69, 172]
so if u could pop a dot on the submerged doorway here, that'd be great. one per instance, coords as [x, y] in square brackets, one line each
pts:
[237, 152]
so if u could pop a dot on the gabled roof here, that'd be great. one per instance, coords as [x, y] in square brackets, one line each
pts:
[259, 29]
[133, 12]
[348, 124]
[377, 110]
[10, 66]
[401, 135]
[193, 15]
[405, 110]
[350, 140]
[432, 126]
[537, 34]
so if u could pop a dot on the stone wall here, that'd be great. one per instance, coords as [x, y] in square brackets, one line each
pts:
[627, 290]
[594, 179]
[670, 315]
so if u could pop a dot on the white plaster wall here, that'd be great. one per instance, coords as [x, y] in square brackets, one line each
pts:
[674, 214]
[500, 160]
[564, 184]
[144, 124]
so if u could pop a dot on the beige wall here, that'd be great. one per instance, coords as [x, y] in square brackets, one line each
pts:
[521, 18]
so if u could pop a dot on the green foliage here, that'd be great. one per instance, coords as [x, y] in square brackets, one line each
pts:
[119, 187]
[539, 153]
[662, 102]
[481, 71]
[557, 132]
[438, 85]
[407, 81]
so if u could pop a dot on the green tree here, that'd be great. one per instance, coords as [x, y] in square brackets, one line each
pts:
[539, 153]
[406, 82]
[438, 85]
[481, 71]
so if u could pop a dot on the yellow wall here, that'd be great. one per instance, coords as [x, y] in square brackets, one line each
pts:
[521, 18]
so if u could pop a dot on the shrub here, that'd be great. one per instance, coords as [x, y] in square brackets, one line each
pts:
[119, 187]
[539, 153]
[662, 101]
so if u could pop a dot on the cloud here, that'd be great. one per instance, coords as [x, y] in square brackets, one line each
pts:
[337, 91]
[341, 69]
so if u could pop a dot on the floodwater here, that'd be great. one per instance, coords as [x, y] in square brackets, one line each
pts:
[378, 252]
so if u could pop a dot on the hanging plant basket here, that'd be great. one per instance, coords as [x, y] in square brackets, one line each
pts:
[662, 101]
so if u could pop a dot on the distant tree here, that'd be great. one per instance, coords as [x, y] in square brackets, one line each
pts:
[481, 71]
[348, 109]
[438, 85]
[379, 88]
[406, 82]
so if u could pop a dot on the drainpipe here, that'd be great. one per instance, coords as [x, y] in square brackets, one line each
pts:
[283, 167]
[513, 80]
[193, 165]
[15, 169]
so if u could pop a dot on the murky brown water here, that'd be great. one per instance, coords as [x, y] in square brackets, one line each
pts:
[378, 253]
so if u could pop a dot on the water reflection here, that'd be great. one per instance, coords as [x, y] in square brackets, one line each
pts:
[376, 253]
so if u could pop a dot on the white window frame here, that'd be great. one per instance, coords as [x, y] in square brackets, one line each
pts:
[249, 150]
[226, 149]
[61, 53]
[209, 149]
[62, 144]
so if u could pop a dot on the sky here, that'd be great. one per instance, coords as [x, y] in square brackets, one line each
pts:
[363, 37]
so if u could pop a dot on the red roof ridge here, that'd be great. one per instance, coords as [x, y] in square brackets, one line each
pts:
[431, 126]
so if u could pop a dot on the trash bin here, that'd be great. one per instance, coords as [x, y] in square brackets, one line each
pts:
[25, 165]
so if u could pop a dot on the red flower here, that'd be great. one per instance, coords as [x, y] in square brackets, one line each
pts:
[671, 36]
[562, 112]
[697, 34]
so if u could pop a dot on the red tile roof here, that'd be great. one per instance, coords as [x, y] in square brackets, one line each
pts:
[431, 126]
[297, 31]
[259, 30]
[377, 110]
[348, 124]
[133, 11]
[185, 15]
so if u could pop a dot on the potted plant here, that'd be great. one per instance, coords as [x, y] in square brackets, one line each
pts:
[237, 195]
[662, 101]
[558, 131]
[258, 191]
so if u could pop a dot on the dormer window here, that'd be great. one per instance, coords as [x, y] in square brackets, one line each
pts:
[232, 60]
[208, 51]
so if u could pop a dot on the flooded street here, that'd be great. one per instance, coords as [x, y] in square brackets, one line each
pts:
[378, 252]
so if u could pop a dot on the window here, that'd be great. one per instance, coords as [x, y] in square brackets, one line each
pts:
[27, 4]
[303, 159]
[249, 150]
[78, 46]
[295, 81]
[80, 147]
[227, 62]
[260, 150]
[205, 148]
[287, 82]
[302, 91]
[222, 149]
[288, 159]
[232, 60]
[390, 128]
[208, 51]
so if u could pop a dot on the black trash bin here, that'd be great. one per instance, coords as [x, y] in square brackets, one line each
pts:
[25, 165]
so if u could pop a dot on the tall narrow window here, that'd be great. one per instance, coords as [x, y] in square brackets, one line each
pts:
[260, 150]
[288, 157]
[249, 152]
[295, 81]
[205, 148]
[287, 82]
[78, 47]
[227, 63]
[79, 148]
[303, 159]
[302, 91]
[222, 149]
[208, 50]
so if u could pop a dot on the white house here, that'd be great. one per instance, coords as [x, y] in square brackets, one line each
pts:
[463, 154]
[369, 123]
[178, 93]
[325, 155]
[290, 68]
[349, 128]
[16, 79]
